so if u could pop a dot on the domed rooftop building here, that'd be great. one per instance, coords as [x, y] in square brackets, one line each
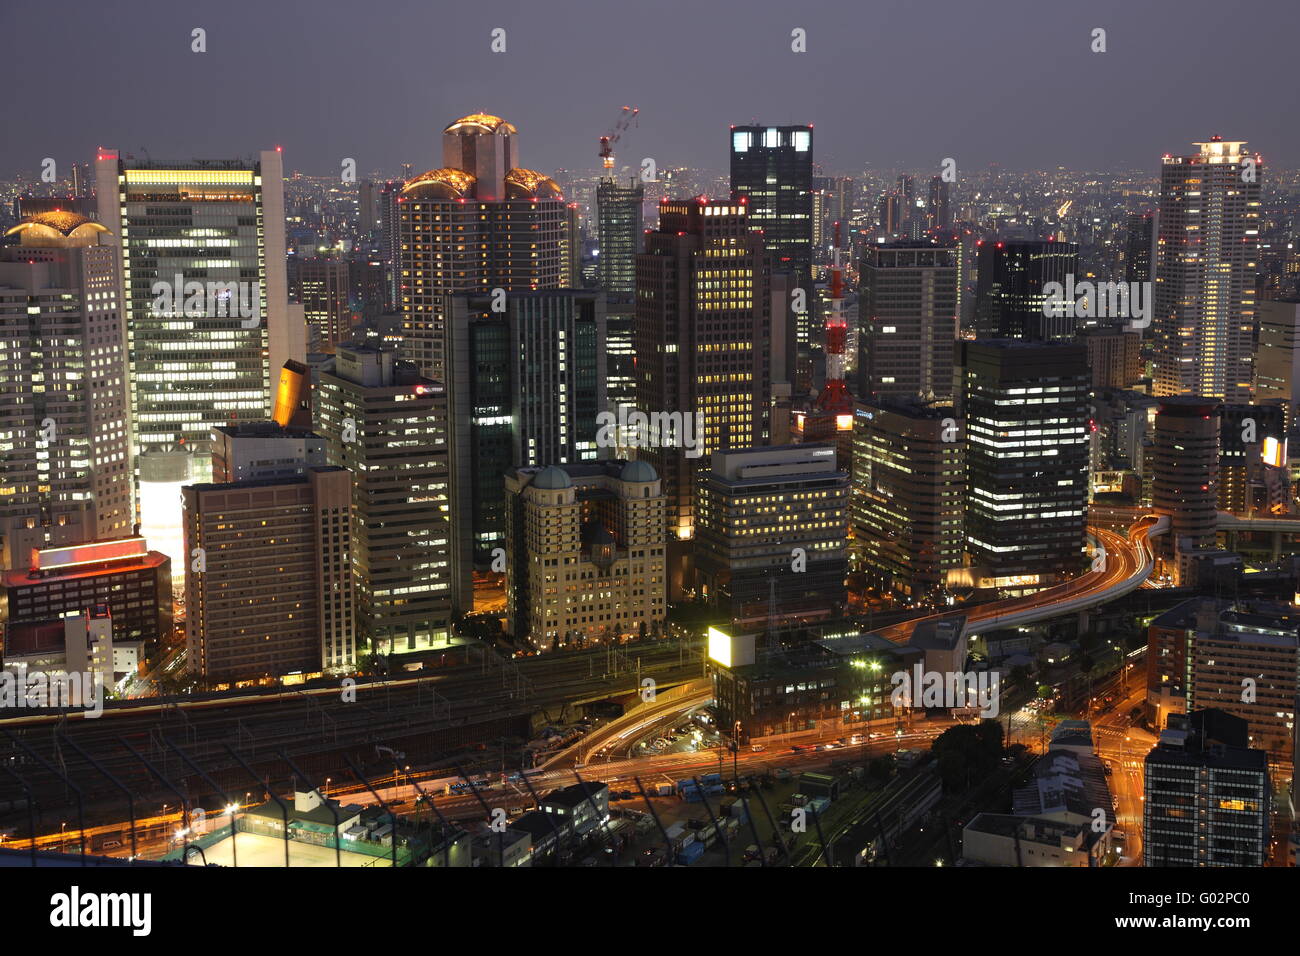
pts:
[530, 184]
[552, 478]
[445, 183]
[57, 228]
[486, 147]
[639, 471]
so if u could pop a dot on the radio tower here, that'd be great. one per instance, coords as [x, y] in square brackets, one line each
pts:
[831, 416]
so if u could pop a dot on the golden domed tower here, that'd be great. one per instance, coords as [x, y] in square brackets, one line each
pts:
[484, 146]
[477, 223]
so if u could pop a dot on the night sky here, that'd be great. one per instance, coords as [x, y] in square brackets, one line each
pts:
[887, 83]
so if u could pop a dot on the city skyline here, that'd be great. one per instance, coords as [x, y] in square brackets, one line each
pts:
[412, 456]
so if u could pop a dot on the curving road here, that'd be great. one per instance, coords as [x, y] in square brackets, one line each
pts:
[1126, 562]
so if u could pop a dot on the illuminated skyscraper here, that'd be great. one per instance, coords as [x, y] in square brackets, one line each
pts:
[206, 309]
[908, 494]
[477, 223]
[65, 439]
[524, 388]
[1011, 278]
[1185, 479]
[703, 330]
[771, 532]
[387, 425]
[214, 223]
[1026, 412]
[1206, 253]
[619, 229]
[771, 170]
[908, 312]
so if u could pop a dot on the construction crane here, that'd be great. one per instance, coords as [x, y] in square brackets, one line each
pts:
[609, 139]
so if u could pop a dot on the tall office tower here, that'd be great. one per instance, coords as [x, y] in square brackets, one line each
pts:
[1208, 243]
[585, 550]
[909, 493]
[1026, 410]
[274, 595]
[65, 429]
[1185, 479]
[321, 284]
[1207, 795]
[206, 309]
[1139, 241]
[620, 351]
[1253, 475]
[256, 450]
[620, 233]
[908, 314]
[1010, 289]
[938, 211]
[387, 425]
[479, 222]
[771, 171]
[702, 341]
[1115, 357]
[390, 241]
[524, 389]
[1277, 357]
[771, 533]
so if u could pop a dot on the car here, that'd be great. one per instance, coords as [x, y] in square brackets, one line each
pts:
[751, 853]
[757, 748]
[112, 844]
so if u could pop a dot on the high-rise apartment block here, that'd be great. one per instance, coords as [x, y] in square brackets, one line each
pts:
[1208, 244]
